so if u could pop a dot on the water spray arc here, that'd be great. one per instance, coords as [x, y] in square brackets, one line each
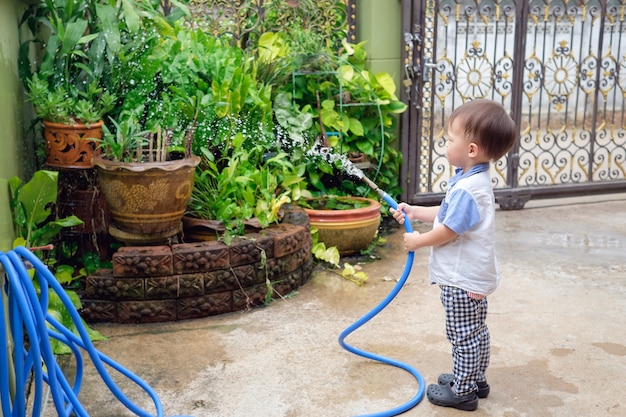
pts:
[352, 170]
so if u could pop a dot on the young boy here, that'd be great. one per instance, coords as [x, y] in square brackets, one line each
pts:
[462, 259]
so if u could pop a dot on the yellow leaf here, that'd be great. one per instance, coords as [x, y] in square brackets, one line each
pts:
[387, 82]
[348, 270]
[362, 276]
[347, 72]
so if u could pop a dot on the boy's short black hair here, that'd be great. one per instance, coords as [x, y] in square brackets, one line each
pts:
[488, 124]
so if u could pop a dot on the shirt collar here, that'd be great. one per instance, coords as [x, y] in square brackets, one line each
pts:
[476, 169]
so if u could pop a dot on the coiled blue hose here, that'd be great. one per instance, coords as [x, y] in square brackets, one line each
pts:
[396, 289]
[29, 313]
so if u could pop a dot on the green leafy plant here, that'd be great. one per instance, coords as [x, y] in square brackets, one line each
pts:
[69, 61]
[126, 142]
[351, 274]
[352, 112]
[241, 184]
[34, 222]
[332, 257]
[185, 89]
[36, 226]
[333, 202]
[62, 106]
[359, 108]
[321, 252]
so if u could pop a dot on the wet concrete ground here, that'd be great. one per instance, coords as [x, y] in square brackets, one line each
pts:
[557, 325]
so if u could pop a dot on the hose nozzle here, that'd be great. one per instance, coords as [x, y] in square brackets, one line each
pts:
[392, 203]
[388, 199]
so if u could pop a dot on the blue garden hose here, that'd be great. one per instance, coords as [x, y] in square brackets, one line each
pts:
[29, 319]
[396, 289]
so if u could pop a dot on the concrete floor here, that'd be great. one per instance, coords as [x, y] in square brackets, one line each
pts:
[557, 323]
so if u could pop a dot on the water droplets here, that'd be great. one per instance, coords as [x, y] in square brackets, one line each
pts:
[335, 159]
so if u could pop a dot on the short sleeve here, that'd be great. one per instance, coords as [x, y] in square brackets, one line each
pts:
[461, 213]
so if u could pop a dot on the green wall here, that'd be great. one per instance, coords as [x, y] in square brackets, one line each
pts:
[379, 23]
[11, 154]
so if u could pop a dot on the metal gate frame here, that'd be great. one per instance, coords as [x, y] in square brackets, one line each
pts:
[570, 108]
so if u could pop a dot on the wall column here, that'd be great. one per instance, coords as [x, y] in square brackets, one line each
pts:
[379, 22]
[12, 155]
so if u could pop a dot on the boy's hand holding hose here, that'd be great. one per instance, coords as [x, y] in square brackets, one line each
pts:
[415, 240]
[401, 214]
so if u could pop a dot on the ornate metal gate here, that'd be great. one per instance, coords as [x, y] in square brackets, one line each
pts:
[558, 65]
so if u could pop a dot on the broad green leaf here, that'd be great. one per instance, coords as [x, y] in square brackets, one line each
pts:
[356, 127]
[37, 194]
[108, 17]
[387, 82]
[20, 241]
[130, 16]
[44, 235]
[64, 274]
[396, 107]
[331, 255]
[348, 269]
[328, 104]
[73, 34]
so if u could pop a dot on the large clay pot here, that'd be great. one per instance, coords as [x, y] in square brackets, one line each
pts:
[71, 146]
[146, 200]
[349, 230]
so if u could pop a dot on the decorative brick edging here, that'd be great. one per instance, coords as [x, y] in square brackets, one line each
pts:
[191, 280]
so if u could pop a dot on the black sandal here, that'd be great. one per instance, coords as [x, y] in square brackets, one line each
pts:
[483, 386]
[443, 395]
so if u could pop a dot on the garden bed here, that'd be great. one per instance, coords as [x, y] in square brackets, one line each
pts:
[192, 280]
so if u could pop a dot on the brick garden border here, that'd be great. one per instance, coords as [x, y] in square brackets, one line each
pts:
[192, 280]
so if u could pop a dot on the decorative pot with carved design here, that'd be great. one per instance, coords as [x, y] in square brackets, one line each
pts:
[146, 200]
[71, 146]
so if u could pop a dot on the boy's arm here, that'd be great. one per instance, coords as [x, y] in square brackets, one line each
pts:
[435, 237]
[423, 213]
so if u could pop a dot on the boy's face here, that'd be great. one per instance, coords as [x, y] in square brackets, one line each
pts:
[458, 147]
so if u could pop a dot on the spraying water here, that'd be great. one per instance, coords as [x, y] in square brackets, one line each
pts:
[345, 164]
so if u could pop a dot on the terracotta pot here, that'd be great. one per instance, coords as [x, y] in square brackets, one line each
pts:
[71, 146]
[349, 230]
[146, 200]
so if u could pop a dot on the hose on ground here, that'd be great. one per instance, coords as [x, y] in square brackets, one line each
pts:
[30, 322]
[367, 317]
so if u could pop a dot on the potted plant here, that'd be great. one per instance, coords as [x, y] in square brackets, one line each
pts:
[348, 223]
[69, 70]
[328, 115]
[146, 169]
[184, 93]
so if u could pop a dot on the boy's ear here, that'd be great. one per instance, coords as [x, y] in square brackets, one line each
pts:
[473, 149]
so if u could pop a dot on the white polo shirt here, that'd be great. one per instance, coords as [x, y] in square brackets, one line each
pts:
[468, 261]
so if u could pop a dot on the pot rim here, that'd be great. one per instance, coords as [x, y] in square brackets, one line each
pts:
[55, 125]
[372, 209]
[109, 165]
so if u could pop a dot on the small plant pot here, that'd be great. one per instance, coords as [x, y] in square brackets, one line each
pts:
[72, 146]
[349, 230]
[146, 200]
